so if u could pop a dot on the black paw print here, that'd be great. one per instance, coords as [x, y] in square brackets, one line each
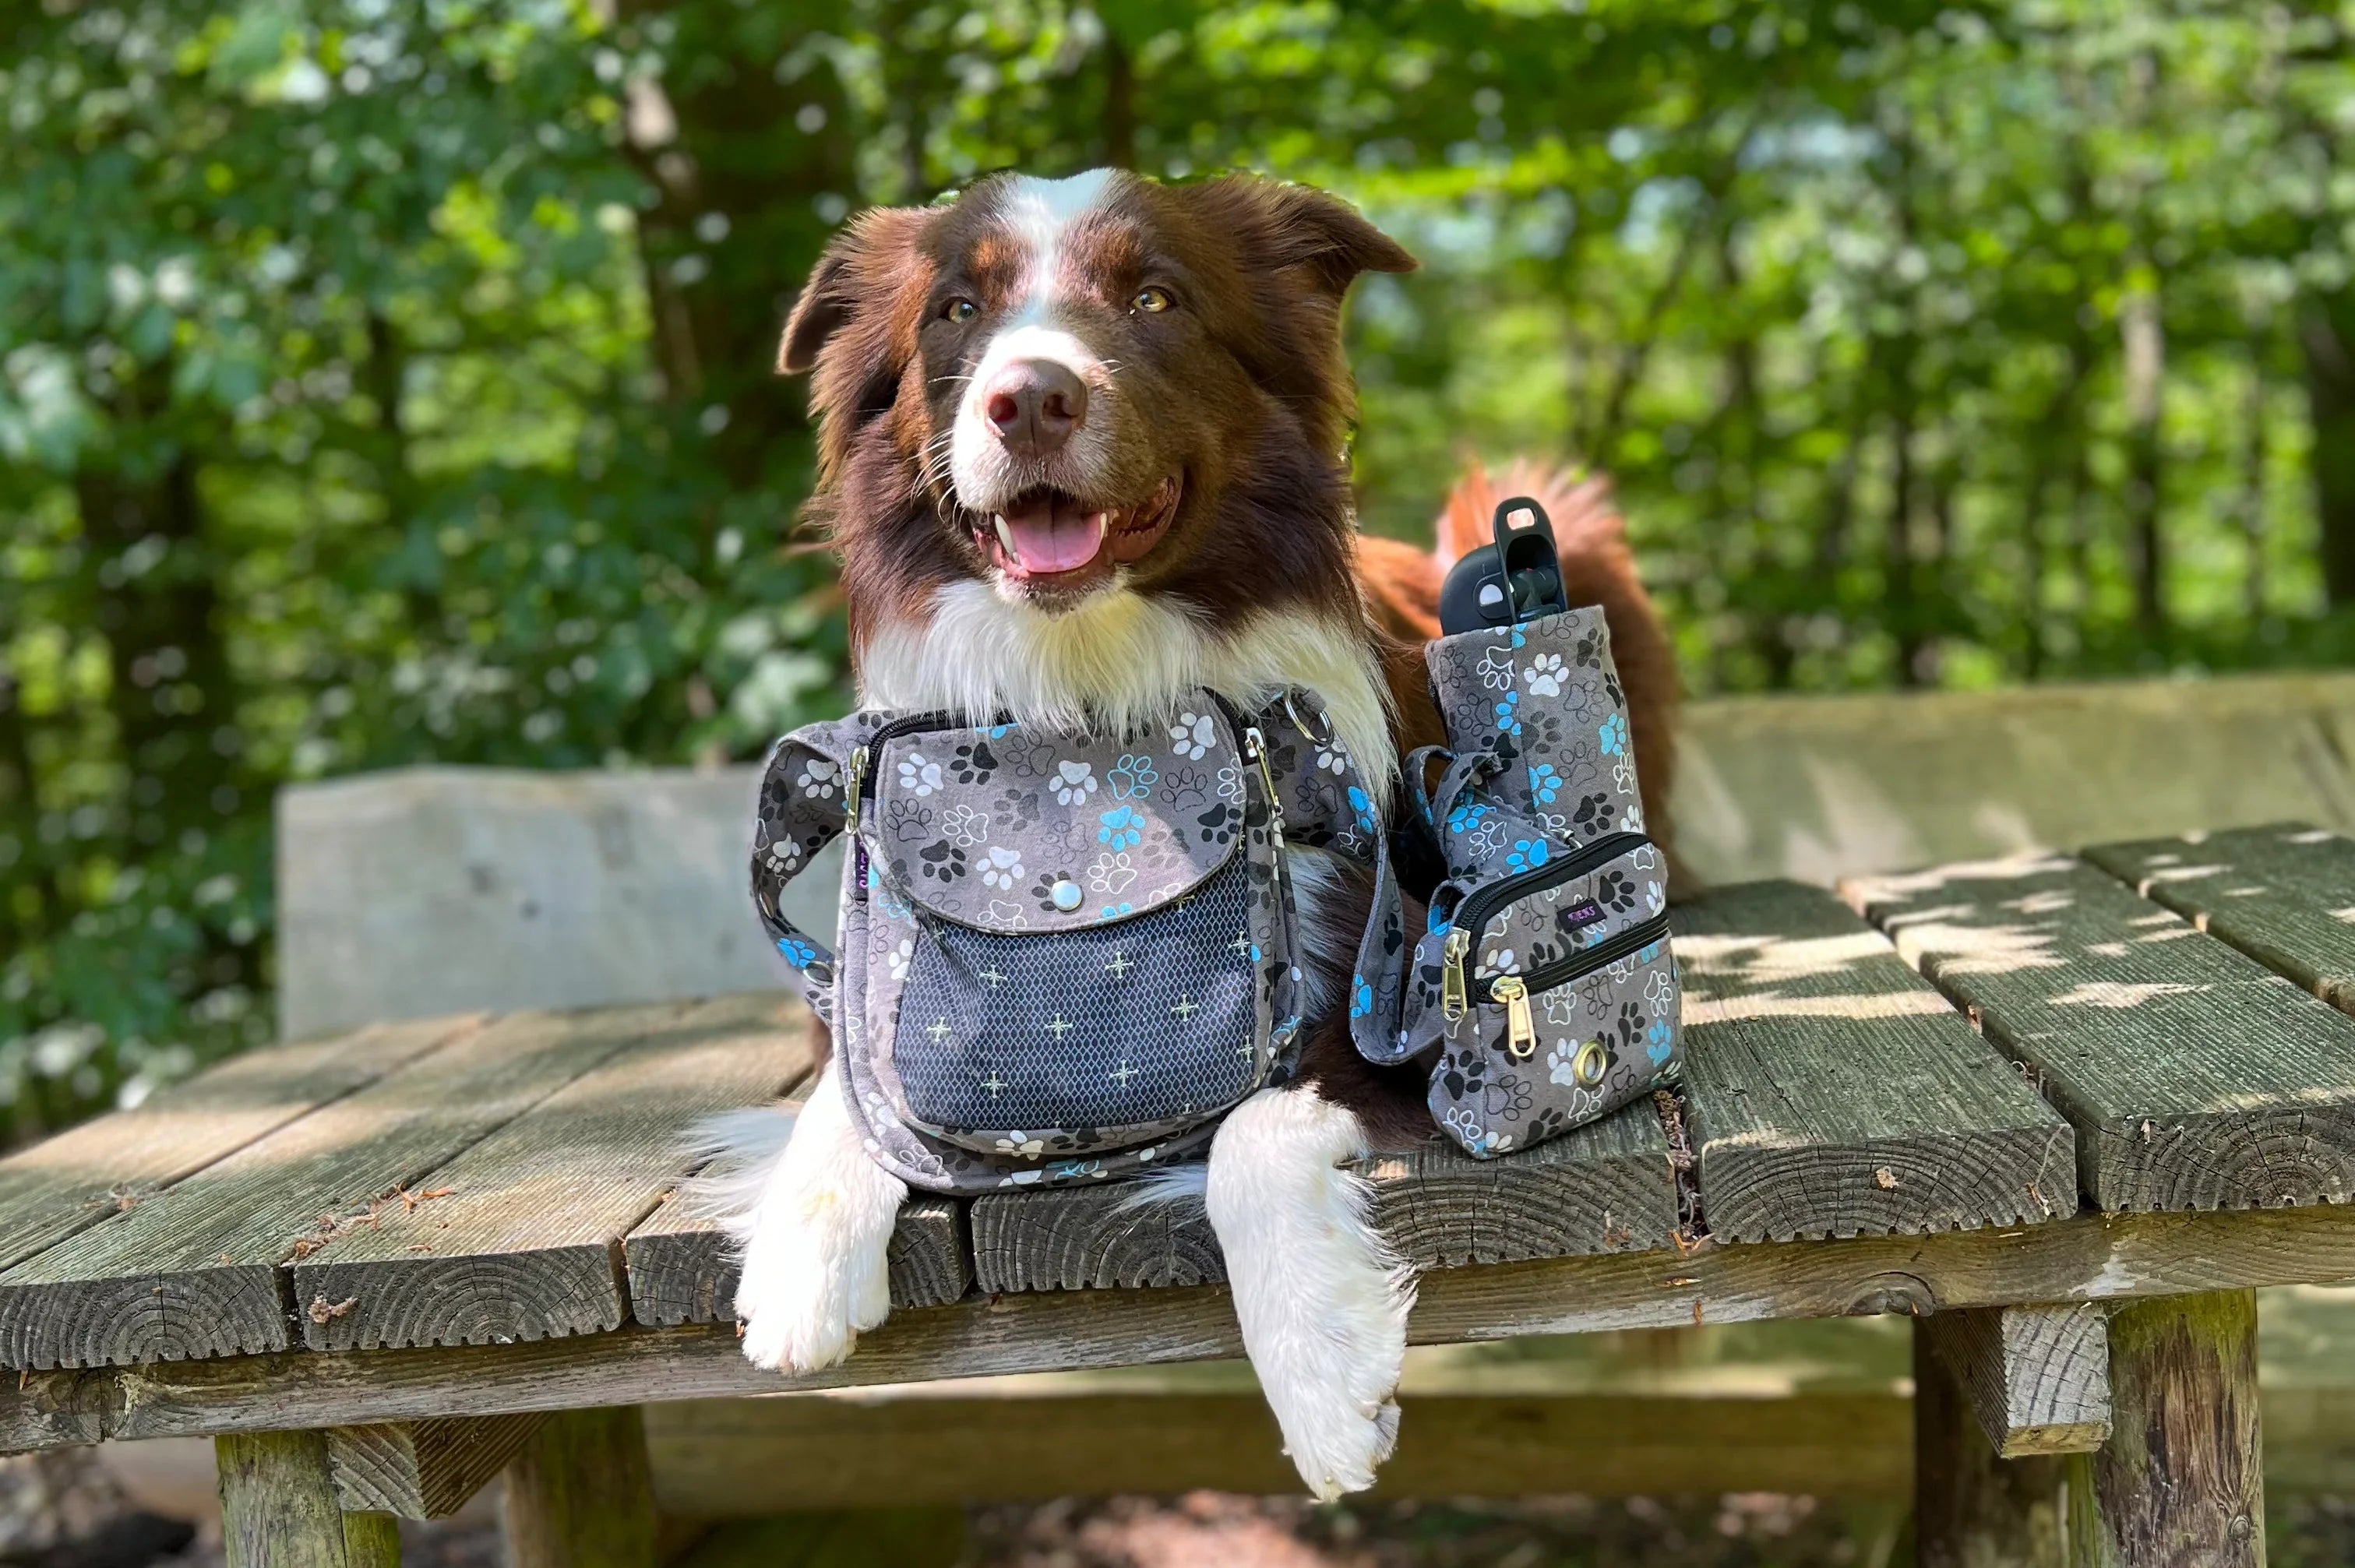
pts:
[1593, 814]
[942, 861]
[972, 763]
[1466, 1073]
[1615, 890]
[1218, 824]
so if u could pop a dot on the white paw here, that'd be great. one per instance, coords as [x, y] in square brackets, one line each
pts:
[1322, 1301]
[816, 1245]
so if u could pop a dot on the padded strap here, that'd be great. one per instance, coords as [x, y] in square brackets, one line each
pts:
[804, 787]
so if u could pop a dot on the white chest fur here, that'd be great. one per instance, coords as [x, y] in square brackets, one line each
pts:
[1121, 660]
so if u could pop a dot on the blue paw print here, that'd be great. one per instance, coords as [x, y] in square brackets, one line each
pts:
[1113, 911]
[1544, 782]
[1509, 714]
[1613, 735]
[1361, 998]
[1648, 954]
[798, 953]
[1658, 1044]
[1466, 818]
[1436, 919]
[1120, 829]
[1528, 854]
[1362, 808]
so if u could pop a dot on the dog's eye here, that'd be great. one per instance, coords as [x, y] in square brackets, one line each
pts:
[959, 310]
[1154, 300]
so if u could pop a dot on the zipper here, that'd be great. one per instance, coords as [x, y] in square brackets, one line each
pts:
[854, 774]
[1520, 1029]
[1457, 990]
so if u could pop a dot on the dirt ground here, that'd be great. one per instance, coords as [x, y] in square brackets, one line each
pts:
[1212, 1529]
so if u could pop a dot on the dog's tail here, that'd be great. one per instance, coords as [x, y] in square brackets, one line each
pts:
[1579, 505]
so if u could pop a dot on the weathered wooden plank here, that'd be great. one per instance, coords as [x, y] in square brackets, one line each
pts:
[1971, 1507]
[1604, 1187]
[279, 1508]
[729, 1458]
[682, 1270]
[67, 1183]
[2089, 1258]
[2037, 1377]
[2197, 1079]
[577, 1496]
[1831, 1092]
[195, 1270]
[2180, 1484]
[2284, 895]
[423, 1469]
[522, 1244]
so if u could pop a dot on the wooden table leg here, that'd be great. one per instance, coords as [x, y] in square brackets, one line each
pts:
[578, 1495]
[1971, 1509]
[2180, 1484]
[279, 1508]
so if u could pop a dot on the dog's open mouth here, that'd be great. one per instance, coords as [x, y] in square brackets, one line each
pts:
[1050, 538]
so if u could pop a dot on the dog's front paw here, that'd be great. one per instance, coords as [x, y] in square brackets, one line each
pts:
[1321, 1300]
[816, 1243]
[805, 1297]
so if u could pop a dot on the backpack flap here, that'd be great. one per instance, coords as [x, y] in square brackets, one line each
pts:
[1071, 944]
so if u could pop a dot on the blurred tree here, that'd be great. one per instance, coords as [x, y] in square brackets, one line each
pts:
[390, 380]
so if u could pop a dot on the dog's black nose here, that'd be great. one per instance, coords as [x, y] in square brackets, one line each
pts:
[1036, 404]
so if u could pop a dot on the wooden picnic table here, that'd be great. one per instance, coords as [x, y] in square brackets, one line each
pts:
[2067, 1110]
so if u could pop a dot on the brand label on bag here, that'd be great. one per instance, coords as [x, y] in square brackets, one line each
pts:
[1585, 913]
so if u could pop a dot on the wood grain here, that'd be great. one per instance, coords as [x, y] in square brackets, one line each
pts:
[1607, 1186]
[423, 1469]
[2284, 895]
[279, 1508]
[2037, 1377]
[2197, 1079]
[67, 1183]
[2180, 1484]
[729, 1458]
[522, 1244]
[2091, 1257]
[681, 1268]
[1972, 1508]
[1831, 1092]
[195, 1270]
[577, 1496]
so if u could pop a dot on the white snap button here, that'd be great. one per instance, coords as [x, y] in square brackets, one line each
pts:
[1066, 894]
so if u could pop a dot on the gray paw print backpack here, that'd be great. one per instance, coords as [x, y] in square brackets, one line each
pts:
[1063, 956]
[1544, 975]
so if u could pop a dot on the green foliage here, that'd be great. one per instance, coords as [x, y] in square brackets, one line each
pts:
[389, 381]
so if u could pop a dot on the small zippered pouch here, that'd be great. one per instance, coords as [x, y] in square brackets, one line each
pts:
[1544, 979]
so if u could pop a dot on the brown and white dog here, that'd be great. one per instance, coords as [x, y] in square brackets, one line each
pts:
[1082, 449]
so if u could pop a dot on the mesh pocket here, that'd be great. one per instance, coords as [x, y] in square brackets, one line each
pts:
[1145, 1019]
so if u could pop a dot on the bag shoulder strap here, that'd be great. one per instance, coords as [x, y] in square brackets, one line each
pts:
[805, 794]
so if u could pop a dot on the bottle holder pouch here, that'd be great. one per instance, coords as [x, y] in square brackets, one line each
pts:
[1544, 977]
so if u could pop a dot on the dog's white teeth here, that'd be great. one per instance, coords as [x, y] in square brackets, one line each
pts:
[1103, 525]
[1005, 537]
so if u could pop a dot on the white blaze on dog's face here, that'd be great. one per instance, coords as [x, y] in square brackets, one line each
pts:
[1041, 426]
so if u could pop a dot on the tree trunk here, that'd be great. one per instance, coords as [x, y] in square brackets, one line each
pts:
[2327, 341]
[2145, 345]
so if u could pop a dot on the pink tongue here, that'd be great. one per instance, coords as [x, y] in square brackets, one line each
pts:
[1053, 536]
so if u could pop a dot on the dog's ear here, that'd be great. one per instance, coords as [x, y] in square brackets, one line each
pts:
[867, 263]
[1310, 233]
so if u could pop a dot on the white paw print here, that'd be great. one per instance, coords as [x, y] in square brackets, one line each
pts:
[1001, 869]
[901, 957]
[1192, 735]
[1501, 960]
[817, 779]
[1022, 1144]
[919, 775]
[963, 827]
[1545, 675]
[1496, 670]
[1074, 782]
[1332, 757]
[1112, 873]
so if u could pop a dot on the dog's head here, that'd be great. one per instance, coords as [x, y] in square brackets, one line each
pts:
[1093, 385]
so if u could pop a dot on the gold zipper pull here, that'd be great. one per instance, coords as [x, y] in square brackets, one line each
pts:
[1455, 996]
[1520, 1029]
[852, 775]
